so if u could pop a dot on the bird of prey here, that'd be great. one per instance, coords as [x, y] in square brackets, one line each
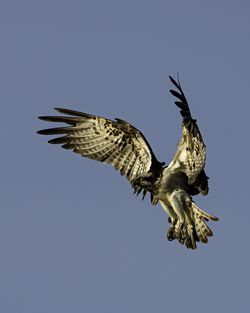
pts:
[120, 144]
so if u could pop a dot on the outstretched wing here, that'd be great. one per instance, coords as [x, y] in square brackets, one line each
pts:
[190, 155]
[113, 142]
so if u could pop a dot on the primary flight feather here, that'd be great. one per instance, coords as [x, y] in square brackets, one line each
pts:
[120, 144]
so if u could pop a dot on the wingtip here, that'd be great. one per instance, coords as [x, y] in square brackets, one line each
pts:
[215, 219]
[176, 83]
[42, 132]
[58, 109]
[43, 118]
[73, 112]
[171, 79]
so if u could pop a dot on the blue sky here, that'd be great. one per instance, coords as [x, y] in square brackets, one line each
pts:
[73, 237]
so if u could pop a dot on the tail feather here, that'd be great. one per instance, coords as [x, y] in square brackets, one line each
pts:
[203, 214]
[194, 229]
[201, 228]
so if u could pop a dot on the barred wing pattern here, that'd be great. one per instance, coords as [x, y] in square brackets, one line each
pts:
[112, 142]
[120, 144]
[190, 155]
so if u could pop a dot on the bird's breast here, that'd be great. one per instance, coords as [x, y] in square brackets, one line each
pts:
[169, 182]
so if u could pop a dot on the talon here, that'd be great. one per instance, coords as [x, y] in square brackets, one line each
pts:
[188, 242]
[183, 235]
[170, 234]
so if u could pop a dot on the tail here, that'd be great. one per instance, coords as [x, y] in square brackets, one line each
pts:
[194, 229]
[202, 231]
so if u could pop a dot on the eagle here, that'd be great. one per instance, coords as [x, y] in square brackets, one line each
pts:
[122, 145]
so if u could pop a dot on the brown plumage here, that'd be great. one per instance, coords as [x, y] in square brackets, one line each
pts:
[120, 144]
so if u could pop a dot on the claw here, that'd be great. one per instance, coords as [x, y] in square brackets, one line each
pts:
[170, 234]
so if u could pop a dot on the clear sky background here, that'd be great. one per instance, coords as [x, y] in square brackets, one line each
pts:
[73, 238]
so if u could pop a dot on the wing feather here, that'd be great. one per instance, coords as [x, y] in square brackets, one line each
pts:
[190, 155]
[113, 142]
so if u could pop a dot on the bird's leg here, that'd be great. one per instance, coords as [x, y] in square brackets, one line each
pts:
[172, 220]
[171, 234]
[179, 202]
[184, 230]
[171, 231]
[177, 205]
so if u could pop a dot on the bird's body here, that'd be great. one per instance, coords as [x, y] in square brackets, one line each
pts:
[122, 145]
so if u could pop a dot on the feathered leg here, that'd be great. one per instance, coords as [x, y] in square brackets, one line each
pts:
[184, 228]
[172, 219]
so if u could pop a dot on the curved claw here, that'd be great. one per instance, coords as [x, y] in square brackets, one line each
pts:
[170, 233]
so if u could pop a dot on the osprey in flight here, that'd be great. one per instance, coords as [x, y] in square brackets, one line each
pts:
[124, 146]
